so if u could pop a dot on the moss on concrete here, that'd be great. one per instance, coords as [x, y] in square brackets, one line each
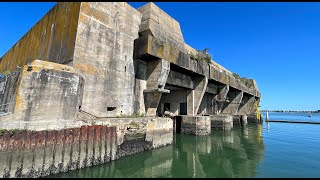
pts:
[133, 115]
[202, 55]
[244, 80]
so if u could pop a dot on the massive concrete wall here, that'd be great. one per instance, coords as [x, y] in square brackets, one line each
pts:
[51, 39]
[159, 24]
[115, 48]
[155, 32]
[153, 43]
[104, 56]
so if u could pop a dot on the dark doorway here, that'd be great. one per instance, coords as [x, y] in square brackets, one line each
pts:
[183, 108]
[166, 106]
[177, 124]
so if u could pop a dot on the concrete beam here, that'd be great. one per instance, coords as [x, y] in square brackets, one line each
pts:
[179, 79]
[157, 74]
[231, 107]
[195, 96]
[148, 45]
[246, 104]
[220, 99]
[212, 88]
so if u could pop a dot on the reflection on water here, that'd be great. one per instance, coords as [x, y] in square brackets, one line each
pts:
[233, 153]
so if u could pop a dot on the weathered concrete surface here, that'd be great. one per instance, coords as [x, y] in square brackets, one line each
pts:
[207, 106]
[221, 121]
[152, 99]
[51, 39]
[47, 151]
[46, 91]
[234, 100]
[113, 60]
[35, 151]
[156, 129]
[195, 95]
[159, 24]
[157, 74]
[246, 104]
[8, 91]
[176, 98]
[149, 45]
[197, 125]
[103, 55]
[179, 79]
[140, 69]
[114, 46]
[221, 98]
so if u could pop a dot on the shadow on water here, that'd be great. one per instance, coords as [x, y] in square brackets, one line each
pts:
[235, 153]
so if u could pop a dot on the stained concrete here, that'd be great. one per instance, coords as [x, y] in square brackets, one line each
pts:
[196, 125]
[221, 121]
[46, 91]
[103, 55]
[195, 95]
[37, 152]
[116, 47]
[8, 91]
[111, 61]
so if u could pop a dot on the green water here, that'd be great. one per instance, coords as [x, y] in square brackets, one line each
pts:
[268, 150]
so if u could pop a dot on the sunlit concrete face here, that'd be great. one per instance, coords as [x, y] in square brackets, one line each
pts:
[131, 60]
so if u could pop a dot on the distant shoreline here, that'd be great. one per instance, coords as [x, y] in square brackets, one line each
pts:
[317, 111]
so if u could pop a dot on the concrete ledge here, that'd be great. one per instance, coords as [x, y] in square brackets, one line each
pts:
[197, 125]
[221, 121]
[38, 149]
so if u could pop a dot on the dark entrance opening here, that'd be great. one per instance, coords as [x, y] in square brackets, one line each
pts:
[183, 108]
[177, 124]
[166, 106]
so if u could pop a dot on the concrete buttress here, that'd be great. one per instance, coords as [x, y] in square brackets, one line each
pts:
[195, 95]
[157, 74]
[234, 98]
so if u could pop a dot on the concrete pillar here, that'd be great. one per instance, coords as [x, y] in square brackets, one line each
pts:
[244, 120]
[231, 107]
[157, 74]
[195, 96]
[196, 125]
[220, 99]
[221, 121]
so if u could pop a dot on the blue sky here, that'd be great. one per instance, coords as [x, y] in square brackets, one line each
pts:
[277, 44]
